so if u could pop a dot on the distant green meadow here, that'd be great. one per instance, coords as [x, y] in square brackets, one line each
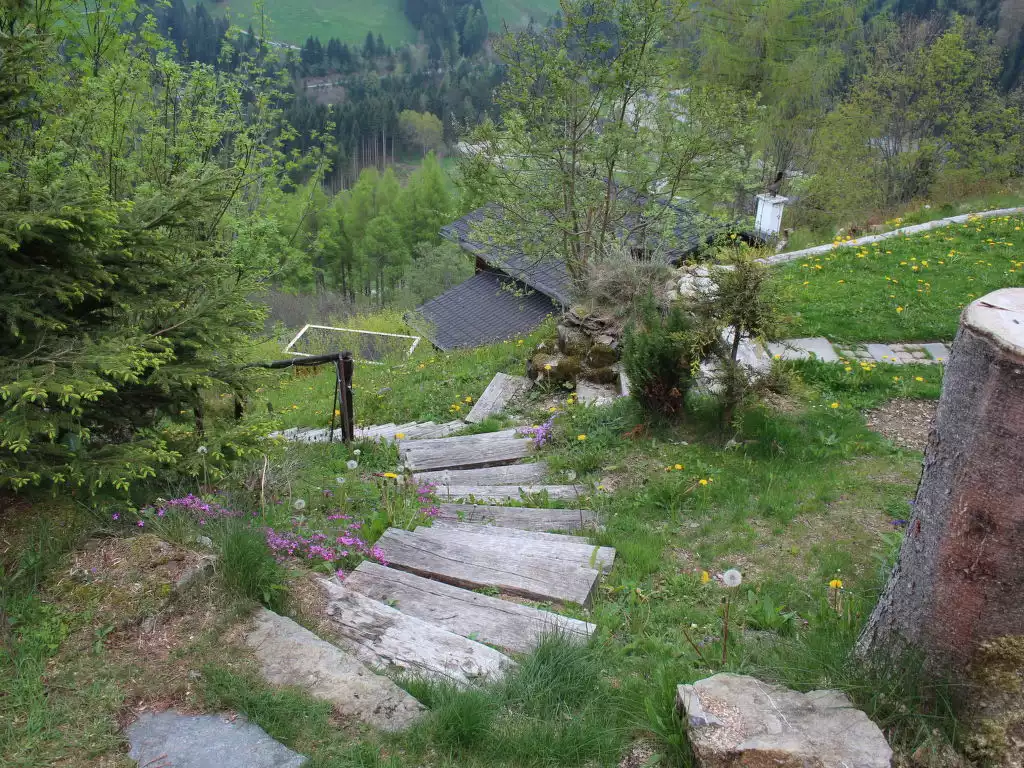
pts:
[292, 21]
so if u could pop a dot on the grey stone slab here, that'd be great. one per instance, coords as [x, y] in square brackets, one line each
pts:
[740, 720]
[206, 741]
[803, 349]
[882, 353]
[290, 654]
[938, 352]
[595, 394]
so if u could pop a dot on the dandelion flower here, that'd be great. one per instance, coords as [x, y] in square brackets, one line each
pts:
[898, 310]
[399, 435]
[352, 464]
[703, 481]
[834, 405]
[469, 400]
[298, 505]
[202, 450]
[547, 366]
[339, 480]
[581, 438]
[836, 584]
[705, 577]
[918, 378]
[679, 466]
[732, 578]
[390, 475]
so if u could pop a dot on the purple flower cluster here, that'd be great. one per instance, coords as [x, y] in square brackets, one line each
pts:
[343, 543]
[425, 496]
[542, 434]
[193, 506]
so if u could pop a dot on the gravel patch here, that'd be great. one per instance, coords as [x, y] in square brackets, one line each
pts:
[906, 423]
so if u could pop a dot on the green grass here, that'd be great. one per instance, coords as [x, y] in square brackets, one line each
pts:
[349, 20]
[905, 289]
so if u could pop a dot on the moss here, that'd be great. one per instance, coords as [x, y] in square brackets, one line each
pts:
[996, 731]
[604, 375]
[601, 356]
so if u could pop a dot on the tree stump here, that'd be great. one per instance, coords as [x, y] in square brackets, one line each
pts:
[959, 580]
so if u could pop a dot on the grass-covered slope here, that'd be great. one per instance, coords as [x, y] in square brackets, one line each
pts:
[292, 21]
[903, 289]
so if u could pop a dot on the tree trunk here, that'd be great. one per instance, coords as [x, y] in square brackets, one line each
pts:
[959, 580]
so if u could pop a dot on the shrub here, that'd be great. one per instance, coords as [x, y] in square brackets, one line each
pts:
[249, 569]
[661, 355]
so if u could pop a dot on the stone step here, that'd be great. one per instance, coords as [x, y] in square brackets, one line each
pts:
[386, 638]
[290, 654]
[497, 494]
[511, 474]
[516, 568]
[498, 394]
[518, 628]
[498, 539]
[523, 518]
[803, 349]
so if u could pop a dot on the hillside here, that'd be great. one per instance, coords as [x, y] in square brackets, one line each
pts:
[292, 21]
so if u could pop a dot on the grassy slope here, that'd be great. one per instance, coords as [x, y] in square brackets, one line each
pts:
[802, 494]
[349, 20]
[904, 289]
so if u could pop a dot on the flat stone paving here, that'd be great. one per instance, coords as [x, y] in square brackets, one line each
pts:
[895, 354]
[205, 741]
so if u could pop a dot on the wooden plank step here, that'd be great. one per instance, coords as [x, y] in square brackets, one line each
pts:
[511, 474]
[519, 628]
[498, 394]
[525, 518]
[498, 530]
[459, 440]
[420, 457]
[385, 638]
[511, 570]
[440, 430]
[497, 494]
[500, 540]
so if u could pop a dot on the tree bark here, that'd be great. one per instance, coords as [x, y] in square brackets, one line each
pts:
[959, 580]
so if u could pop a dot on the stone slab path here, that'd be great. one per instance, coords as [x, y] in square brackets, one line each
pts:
[820, 348]
[171, 740]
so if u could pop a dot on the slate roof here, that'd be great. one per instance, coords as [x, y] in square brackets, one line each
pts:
[692, 231]
[480, 311]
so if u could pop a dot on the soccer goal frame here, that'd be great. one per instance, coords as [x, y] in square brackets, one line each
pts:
[412, 348]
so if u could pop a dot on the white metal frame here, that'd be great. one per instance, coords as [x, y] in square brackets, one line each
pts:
[415, 339]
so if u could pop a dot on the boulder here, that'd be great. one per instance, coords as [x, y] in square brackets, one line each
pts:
[736, 720]
[603, 375]
[555, 368]
[572, 341]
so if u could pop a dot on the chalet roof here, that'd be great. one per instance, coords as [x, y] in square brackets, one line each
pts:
[692, 231]
[486, 308]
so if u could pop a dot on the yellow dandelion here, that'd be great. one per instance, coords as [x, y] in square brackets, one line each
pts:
[705, 577]
[702, 481]
[679, 467]
[918, 378]
[468, 400]
[390, 475]
[898, 310]
[400, 436]
[836, 584]
[547, 366]
[834, 405]
[581, 438]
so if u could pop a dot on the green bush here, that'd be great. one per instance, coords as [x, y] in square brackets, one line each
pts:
[661, 356]
[249, 569]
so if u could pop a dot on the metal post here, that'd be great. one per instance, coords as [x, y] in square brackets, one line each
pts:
[348, 368]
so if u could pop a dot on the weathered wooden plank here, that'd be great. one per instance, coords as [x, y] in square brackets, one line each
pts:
[498, 494]
[518, 628]
[498, 394]
[508, 475]
[499, 540]
[463, 455]
[459, 440]
[515, 572]
[526, 518]
[385, 638]
[499, 530]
